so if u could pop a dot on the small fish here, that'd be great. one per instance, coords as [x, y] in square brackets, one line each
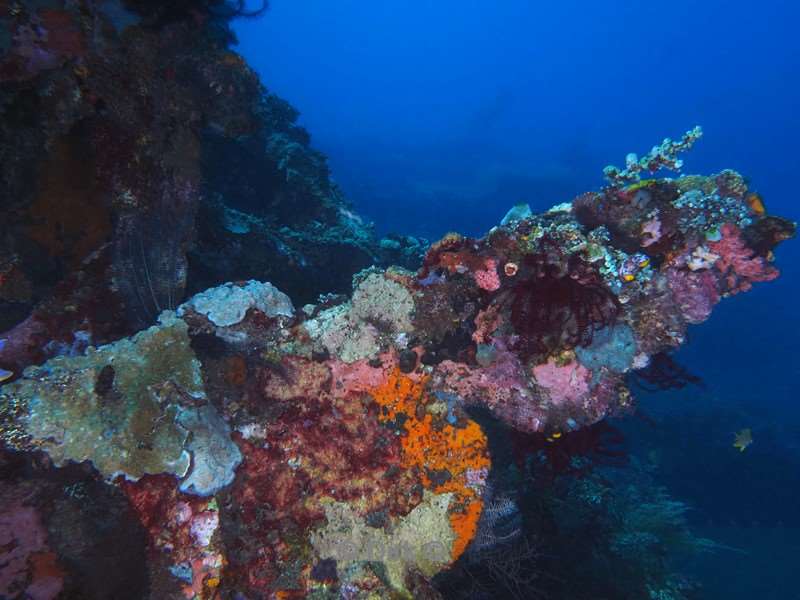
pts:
[756, 203]
[632, 265]
[5, 375]
[743, 439]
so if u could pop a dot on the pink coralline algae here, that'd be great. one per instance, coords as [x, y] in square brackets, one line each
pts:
[565, 384]
[487, 278]
[503, 387]
[737, 263]
[358, 376]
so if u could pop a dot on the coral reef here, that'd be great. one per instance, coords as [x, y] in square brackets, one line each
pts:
[259, 440]
[269, 451]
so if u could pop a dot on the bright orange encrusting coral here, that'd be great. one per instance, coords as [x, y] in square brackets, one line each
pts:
[438, 449]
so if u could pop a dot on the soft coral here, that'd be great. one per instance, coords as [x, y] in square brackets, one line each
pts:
[738, 263]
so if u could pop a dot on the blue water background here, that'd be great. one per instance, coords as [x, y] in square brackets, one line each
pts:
[439, 115]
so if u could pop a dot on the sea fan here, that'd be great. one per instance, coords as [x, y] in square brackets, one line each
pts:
[149, 257]
[500, 524]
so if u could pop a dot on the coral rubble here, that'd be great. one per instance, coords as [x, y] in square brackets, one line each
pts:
[328, 451]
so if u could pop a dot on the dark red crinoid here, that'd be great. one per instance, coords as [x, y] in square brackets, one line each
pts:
[558, 303]
[663, 373]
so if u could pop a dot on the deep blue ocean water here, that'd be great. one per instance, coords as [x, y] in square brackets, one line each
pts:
[440, 115]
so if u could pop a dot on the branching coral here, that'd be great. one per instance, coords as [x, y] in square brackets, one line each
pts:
[252, 442]
[664, 156]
